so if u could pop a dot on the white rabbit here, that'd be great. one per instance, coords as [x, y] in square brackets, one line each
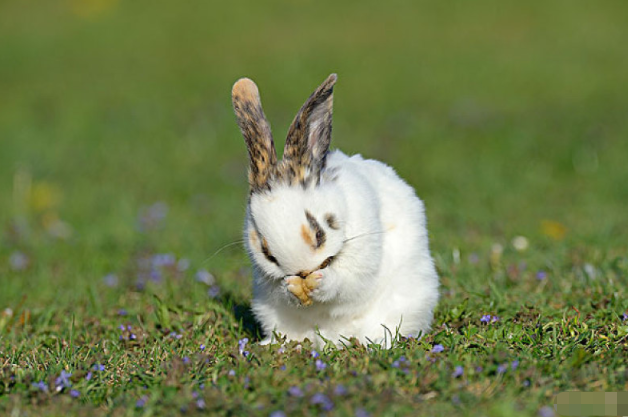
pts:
[339, 244]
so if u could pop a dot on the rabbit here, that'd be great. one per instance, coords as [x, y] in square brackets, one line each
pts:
[338, 244]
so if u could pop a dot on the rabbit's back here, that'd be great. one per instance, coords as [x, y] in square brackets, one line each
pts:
[407, 280]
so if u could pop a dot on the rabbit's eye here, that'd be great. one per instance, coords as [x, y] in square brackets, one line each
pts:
[267, 253]
[319, 238]
[326, 262]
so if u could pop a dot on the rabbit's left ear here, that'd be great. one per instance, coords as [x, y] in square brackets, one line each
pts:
[309, 135]
[256, 131]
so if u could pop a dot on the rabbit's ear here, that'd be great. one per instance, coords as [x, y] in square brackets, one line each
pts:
[309, 135]
[256, 131]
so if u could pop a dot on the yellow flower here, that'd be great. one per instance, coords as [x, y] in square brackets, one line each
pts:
[91, 8]
[553, 229]
[44, 196]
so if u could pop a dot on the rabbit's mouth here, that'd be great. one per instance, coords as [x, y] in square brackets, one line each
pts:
[325, 264]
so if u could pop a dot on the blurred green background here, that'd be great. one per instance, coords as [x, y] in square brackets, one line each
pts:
[508, 118]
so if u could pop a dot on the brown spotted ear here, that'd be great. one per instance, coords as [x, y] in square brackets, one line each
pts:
[309, 135]
[256, 131]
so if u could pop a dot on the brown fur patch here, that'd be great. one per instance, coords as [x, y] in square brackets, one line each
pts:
[332, 221]
[307, 236]
[253, 237]
[319, 233]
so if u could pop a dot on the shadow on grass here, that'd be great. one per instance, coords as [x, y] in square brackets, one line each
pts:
[243, 314]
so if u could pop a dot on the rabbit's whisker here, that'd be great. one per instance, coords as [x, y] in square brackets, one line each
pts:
[237, 242]
[363, 235]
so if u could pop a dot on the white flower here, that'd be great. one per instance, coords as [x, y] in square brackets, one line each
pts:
[520, 243]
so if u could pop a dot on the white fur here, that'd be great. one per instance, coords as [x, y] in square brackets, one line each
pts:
[382, 282]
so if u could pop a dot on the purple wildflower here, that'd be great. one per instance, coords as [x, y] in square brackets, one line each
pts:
[204, 276]
[63, 380]
[277, 413]
[458, 371]
[122, 312]
[546, 411]
[89, 376]
[501, 369]
[437, 348]
[231, 372]
[322, 400]
[186, 360]
[320, 365]
[398, 362]
[122, 328]
[213, 291]
[478, 369]
[141, 402]
[241, 345]
[340, 390]
[151, 217]
[18, 261]
[494, 319]
[98, 367]
[486, 318]
[625, 317]
[183, 265]
[541, 275]
[361, 412]
[41, 385]
[314, 354]
[128, 327]
[200, 403]
[75, 393]
[163, 260]
[514, 365]
[295, 391]
[474, 258]
[202, 347]
[132, 336]
[155, 275]
[111, 280]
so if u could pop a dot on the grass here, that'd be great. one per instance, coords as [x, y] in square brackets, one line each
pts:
[118, 145]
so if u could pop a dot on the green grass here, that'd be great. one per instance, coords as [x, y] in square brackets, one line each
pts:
[510, 120]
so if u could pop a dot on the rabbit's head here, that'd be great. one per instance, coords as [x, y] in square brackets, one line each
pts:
[296, 212]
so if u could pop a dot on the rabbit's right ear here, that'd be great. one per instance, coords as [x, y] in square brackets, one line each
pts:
[256, 131]
[309, 135]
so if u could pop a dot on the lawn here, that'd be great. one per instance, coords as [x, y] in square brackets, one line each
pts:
[124, 287]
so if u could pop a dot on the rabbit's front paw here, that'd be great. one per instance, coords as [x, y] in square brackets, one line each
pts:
[303, 287]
